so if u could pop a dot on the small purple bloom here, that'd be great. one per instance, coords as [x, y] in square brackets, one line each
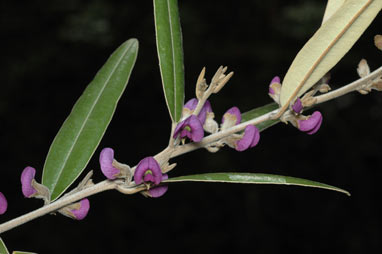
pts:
[276, 79]
[271, 91]
[148, 170]
[231, 118]
[3, 203]
[106, 159]
[250, 139]
[312, 124]
[158, 191]
[191, 105]
[275, 89]
[82, 211]
[191, 127]
[27, 176]
[297, 106]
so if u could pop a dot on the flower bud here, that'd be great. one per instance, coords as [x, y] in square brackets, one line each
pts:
[297, 106]
[3, 203]
[27, 176]
[275, 89]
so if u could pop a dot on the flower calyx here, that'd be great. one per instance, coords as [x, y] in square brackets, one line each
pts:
[31, 188]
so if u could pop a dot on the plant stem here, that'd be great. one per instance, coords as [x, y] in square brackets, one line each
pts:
[64, 201]
[171, 152]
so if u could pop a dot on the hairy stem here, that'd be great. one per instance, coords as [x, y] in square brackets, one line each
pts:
[174, 151]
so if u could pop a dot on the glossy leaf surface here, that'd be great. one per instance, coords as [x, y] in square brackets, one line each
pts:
[170, 53]
[82, 131]
[253, 178]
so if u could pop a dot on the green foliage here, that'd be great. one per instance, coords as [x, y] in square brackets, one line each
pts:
[254, 113]
[170, 53]
[82, 131]
[252, 178]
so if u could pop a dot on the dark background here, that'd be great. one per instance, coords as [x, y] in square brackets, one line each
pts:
[52, 49]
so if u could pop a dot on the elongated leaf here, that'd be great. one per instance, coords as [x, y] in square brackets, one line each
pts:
[327, 46]
[253, 178]
[259, 112]
[82, 131]
[23, 252]
[3, 248]
[170, 53]
[331, 8]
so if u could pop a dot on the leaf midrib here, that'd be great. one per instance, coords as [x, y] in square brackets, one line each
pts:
[87, 117]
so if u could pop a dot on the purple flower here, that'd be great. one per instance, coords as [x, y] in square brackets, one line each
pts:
[297, 106]
[148, 170]
[231, 118]
[106, 159]
[191, 105]
[275, 89]
[250, 139]
[312, 124]
[251, 135]
[276, 80]
[27, 176]
[158, 191]
[82, 210]
[3, 203]
[191, 127]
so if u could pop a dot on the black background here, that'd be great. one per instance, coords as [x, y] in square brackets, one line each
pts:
[52, 49]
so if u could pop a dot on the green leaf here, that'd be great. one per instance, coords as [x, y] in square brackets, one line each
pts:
[327, 46]
[253, 178]
[23, 252]
[254, 113]
[170, 53]
[3, 248]
[84, 128]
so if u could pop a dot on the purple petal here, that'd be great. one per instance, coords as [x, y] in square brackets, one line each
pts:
[4, 203]
[203, 113]
[276, 79]
[232, 114]
[148, 163]
[310, 123]
[158, 191]
[271, 91]
[315, 129]
[26, 181]
[81, 212]
[256, 138]
[297, 106]
[106, 158]
[245, 142]
[191, 104]
[197, 131]
[179, 127]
